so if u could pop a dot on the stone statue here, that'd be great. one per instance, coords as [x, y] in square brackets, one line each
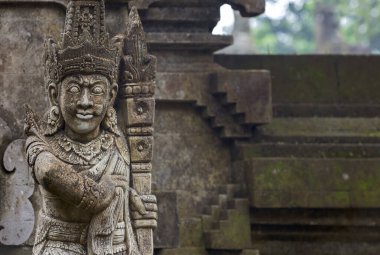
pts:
[94, 176]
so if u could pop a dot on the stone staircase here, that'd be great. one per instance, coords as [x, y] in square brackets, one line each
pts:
[226, 220]
[232, 101]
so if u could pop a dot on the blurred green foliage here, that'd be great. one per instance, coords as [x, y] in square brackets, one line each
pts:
[294, 32]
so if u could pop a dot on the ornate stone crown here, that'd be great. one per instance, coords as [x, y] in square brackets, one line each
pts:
[85, 47]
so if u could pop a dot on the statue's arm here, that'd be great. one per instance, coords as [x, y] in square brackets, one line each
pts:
[62, 180]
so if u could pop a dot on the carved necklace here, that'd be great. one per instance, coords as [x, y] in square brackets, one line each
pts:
[84, 153]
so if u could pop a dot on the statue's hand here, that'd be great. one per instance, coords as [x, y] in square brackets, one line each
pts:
[120, 181]
[143, 210]
[107, 189]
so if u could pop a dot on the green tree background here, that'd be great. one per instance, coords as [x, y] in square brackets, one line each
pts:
[357, 30]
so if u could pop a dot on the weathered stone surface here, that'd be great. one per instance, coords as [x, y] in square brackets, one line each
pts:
[317, 248]
[233, 232]
[249, 91]
[250, 252]
[204, 91]
[5, 136]
[16, 212]
[181, 136]
[21, 72]
[191, 232]
[61, 3]
[322, 127]
[333, 150]
[166, 235]
[9, 250]
[184, 251]
[315, 79]
[314, 183]
[248, 8]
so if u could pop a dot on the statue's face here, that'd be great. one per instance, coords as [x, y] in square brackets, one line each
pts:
[83, 100]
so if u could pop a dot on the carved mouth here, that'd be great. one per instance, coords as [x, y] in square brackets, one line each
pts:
[84, 116]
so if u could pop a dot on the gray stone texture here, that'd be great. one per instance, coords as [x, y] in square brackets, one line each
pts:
[196, 119]
[312, 172]
[16, 211]
[189, 158]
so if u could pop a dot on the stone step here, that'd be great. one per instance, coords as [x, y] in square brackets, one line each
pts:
[233, 232]
[307, 150]
[316, 217]
[232, 190]
[313, 247]
[320, 233]
[349, 130]
[229, 129]
[327, 110]
[314, 183]
[207, 222]
[315, 225]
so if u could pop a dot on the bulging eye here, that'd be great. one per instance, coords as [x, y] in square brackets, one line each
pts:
[74, 89]
[97, 90]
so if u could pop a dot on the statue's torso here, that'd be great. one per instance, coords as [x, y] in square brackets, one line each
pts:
[62, 221]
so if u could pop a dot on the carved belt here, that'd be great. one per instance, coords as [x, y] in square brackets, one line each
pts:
[64, 231]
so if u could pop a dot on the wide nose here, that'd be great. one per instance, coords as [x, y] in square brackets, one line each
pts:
[85, 100]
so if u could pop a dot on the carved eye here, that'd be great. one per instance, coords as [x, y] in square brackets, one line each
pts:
[97, 90]
[74, 89]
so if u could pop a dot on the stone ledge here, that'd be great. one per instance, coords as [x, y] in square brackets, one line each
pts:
[314, 183]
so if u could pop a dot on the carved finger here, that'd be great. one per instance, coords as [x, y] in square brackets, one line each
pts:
[136, 203]
[144, 223]
[149, 198]
[151, 207]
[149, 215]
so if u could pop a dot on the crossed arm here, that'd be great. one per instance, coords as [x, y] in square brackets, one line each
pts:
[63, 181]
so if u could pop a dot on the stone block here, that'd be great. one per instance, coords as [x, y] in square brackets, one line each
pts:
[248, 8]
[184, 251]
[141, 148]
[322, 128]
[12, 250]
[167, 233]
[249, 90]
[191, 232]
[140, 111]
[314, 183]
[315, 79]
[250, 252]
[234, 233]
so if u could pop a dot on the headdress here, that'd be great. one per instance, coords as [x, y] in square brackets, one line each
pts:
[84, 47]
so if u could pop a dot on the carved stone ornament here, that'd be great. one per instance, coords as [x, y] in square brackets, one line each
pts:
[95, 176]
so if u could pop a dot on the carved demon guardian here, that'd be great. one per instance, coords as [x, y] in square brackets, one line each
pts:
[95, 182]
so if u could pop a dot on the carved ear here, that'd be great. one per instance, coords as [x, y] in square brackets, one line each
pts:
[53, 93]
[113, 92]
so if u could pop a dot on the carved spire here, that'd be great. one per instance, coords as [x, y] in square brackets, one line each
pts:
[138, 65]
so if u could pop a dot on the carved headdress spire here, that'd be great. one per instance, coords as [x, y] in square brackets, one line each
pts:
[84, 47]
